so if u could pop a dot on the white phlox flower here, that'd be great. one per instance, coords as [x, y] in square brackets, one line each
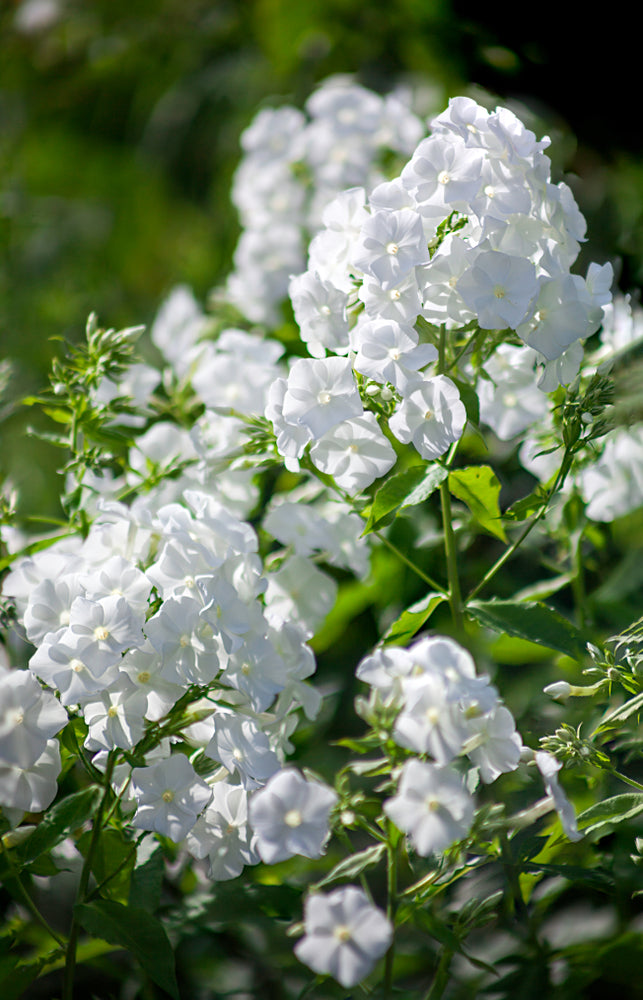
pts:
[549, 768]
[355, 453]
[222, 834]
[116, 718]
[431, 417]
[32, 788]
[391, 244]
[320, 311]
[510, 400]
[300, 593]
[169, 797]
[389, 352]
[430, 720]
[29, 718]
[345, 935]
[243, 749]
[495, 744]
[320, 394]
[499, 289]
[290, 815]
[432, 806]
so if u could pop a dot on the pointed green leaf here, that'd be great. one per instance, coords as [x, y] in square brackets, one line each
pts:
[147, 877]
[61, 819]
[435, 475]
[478, 487]
[354, 865]
[412, 620]
[137, 931]
[390, 497]
[531, 620]
[609, 813]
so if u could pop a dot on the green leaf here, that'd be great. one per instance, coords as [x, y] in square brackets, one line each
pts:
[619, 715]
[137, 931]
[390, 497]
[64, 817]
[531, 620]
[528, 506]
[479, 488]
[147, 877]
[603, 816]
[412, 620]
[470, 400]
[435, 475]
[353, 866]
[15, 978]
[112, 863]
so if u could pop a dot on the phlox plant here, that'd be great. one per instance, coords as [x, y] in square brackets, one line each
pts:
[436, 442]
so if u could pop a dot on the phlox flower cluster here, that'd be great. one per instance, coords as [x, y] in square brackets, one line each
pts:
[294, 163]
[610, 478]
[472, 235]
[445, 712]
[159, 601]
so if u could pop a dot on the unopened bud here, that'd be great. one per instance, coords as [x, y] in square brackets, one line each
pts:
[560, 690]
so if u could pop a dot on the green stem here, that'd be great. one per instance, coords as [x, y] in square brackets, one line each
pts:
[624, 777]
[578, 580]
[507, 554]
[391, 906]
[441, 979]
[416, 569]
[455, 595]
[70, 962]
[28, 901]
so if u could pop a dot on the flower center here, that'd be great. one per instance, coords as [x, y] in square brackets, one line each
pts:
[77, 666]
[342, 933]
[325, 310]
[184, 641]
[143, 677]
[101, 633]
[323, 397]
[394, 294]
[428, 414]
[168, 795]
[432, 716]
[293, 818]
[392, 249]
[432, 804]
[112, 712]
[443, 177]
[499, 292]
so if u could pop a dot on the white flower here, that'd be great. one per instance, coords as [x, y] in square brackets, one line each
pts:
[432, 416]
[33, 788]
[29, 717]
[290, 815]
[549, 768]
[242, 748]
[431, 805]
[355, 453]
[391, 244]
[320, 311]
[222, 833]
[320, 394]
[169, 797]
[345, 935]
[499, 289]
[389, 352]
[497, 744]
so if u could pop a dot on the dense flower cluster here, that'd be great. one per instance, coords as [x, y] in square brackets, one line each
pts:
[471, 235]
[154, 603]
[293, 165]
